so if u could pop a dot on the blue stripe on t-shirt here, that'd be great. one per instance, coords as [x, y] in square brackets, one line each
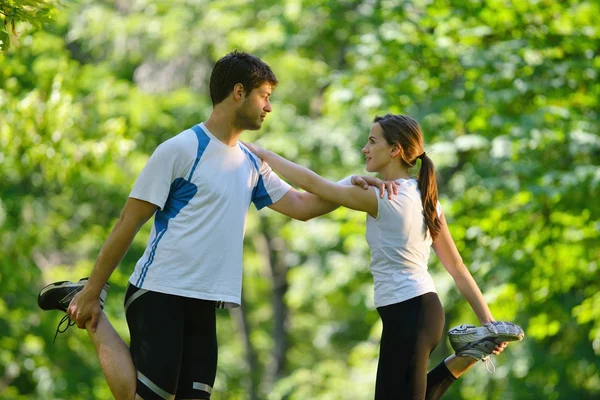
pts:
[180, 194]
[203, 141]
[252, 158]
[260, 196]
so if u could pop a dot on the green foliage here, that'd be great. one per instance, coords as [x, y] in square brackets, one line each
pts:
[507, 94]
[36, 13]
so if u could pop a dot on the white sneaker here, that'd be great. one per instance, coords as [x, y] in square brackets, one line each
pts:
[479, 342]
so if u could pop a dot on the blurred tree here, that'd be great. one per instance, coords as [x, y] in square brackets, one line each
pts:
[507, 94]
[36, 13]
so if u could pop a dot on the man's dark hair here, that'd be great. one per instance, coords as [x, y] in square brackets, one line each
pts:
[238, 67]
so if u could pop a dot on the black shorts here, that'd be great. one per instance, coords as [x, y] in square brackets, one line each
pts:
[173, 344]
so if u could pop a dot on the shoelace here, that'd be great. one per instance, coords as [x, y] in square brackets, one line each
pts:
[62, 321]
[489, 364]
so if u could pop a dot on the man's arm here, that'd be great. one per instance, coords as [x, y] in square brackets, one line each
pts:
[302, 205]
[85, 304]
[349, 196]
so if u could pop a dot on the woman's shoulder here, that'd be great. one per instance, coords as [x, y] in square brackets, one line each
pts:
[408, 187]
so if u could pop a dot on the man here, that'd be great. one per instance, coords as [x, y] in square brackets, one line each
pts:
[198, 185]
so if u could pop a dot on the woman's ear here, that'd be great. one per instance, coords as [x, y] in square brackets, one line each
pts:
[396, 150]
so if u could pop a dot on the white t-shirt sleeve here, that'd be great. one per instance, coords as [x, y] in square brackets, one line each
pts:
[154, 182]
[269, 189]
[438, 208]
[347, 181]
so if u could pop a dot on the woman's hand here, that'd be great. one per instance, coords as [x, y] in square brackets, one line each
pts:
[257, 150]
[499, 348]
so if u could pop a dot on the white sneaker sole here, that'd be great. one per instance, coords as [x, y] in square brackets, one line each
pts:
[464, 335]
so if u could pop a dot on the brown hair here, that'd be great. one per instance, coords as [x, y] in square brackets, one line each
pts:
[405, 132]
[238, 67]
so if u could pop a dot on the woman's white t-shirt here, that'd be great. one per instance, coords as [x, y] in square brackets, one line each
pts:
[400, 244]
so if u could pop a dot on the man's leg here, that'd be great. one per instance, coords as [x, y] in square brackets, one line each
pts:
[115, 359]
[113, 354]
[156, 327]
[199, 362]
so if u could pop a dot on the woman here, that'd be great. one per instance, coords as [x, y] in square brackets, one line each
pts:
[400, 233]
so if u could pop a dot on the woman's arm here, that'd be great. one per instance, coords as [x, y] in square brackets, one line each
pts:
[448, 254]
[353, 197]
[304, 205]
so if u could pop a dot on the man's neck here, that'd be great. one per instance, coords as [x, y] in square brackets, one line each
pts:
[221, 126]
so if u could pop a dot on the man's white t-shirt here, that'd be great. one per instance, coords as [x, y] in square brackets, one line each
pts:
[203, 189]
[400, 244]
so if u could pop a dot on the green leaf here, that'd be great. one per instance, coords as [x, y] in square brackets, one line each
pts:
[5, 39]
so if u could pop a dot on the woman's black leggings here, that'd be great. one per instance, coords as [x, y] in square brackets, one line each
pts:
[411, 330]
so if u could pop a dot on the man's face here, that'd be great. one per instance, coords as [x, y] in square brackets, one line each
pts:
[254, 108]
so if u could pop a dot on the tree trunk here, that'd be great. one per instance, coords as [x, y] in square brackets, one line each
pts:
[239, 315]
[273, 250]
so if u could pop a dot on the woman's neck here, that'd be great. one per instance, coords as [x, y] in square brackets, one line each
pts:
[392, 173]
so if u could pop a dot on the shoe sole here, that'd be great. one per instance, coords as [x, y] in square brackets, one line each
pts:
[67, 284]
[54, 286]
[463, 335]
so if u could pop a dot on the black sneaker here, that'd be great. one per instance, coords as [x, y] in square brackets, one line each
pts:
[58, 296]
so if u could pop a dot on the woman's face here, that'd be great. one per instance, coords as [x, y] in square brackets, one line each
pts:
[377, 151]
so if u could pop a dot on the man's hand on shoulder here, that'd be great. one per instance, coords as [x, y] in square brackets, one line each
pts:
[365, 181]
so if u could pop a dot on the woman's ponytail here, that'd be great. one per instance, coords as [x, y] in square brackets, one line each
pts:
[405, 132]
[429, 195]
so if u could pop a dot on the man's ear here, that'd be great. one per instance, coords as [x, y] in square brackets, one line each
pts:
[238, 91]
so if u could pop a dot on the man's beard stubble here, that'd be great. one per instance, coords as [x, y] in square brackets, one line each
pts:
[244, 121]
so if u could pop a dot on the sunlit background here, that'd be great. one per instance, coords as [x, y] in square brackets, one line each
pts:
[507, 93]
